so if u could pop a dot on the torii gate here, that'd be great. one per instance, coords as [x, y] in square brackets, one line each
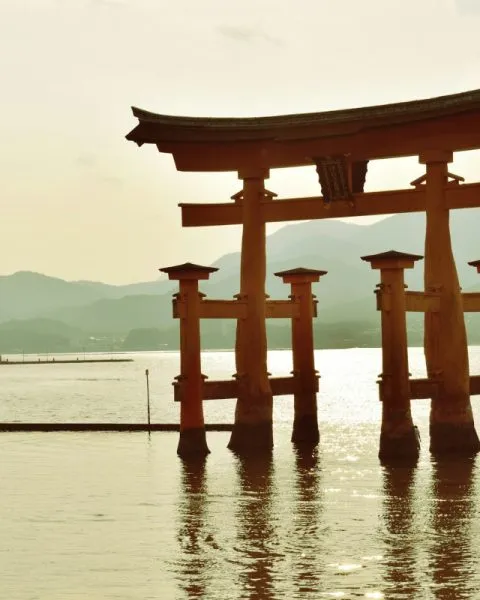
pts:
[340, 144]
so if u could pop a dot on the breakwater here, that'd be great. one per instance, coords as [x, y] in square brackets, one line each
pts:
[65, 362]
[105, 427]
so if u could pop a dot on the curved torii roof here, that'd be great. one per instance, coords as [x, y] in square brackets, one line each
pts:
[449, 123]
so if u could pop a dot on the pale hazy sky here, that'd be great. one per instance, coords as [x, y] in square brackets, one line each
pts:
[80, 202]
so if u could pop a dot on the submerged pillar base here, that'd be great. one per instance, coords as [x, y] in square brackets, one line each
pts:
[404, 446]
[305, 430]
[192, 443]
[453, 439]
[251, 438]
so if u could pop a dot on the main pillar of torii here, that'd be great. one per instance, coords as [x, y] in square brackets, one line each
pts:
[340, 143]
[253, 427]
[452, 429]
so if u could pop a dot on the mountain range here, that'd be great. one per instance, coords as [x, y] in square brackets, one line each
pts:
[46, 314]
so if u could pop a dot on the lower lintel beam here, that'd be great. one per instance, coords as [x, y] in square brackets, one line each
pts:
[236, 309]
[421, 389]
[428, 302]
[422, 302]
[471, 301]
[228, 388]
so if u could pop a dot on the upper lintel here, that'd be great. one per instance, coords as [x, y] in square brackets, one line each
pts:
[446, 123]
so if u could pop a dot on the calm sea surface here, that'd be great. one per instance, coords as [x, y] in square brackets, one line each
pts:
[118, 516]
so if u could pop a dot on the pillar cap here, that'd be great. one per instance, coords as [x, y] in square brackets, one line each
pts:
[188, 270]
[476, 264]
[300, 274]
[392, 260]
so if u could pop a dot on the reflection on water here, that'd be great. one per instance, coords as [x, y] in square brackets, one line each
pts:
[256, 543]
[401, 574]
[429, 541]
[307, 531]
[194, 564]
[453, 562]
[275, 535]
[263, 547]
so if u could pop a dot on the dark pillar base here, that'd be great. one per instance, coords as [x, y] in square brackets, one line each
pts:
[400, 448]
[453, 439]
[192, 443]
[251, 438]
[305, 430]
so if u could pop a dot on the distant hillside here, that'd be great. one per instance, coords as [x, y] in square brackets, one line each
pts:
[37, 335]
[337, 247]
[96, 313]
[41, 326]
[26, 294]
[119, 315]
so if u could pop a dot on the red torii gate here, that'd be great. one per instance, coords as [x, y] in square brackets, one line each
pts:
[340, 144]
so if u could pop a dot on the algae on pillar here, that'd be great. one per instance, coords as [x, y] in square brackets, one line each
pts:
[452, 429]
[252, 429]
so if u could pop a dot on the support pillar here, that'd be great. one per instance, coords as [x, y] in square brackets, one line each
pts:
[192, 442]
[452, 429]
[305, 422]
[252, 429]
[398, 437]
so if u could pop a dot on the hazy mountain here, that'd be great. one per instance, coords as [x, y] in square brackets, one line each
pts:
[37, 335]
[26, 294]
[336, 247]
[41, 326]
[347, 312]
[160, 286]
[119, 315]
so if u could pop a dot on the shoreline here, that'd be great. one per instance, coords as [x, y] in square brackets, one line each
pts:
[64, 362]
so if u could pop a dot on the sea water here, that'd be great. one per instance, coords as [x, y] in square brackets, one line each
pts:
[118, 516]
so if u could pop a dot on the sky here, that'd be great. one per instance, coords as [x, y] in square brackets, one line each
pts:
[80, 202]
